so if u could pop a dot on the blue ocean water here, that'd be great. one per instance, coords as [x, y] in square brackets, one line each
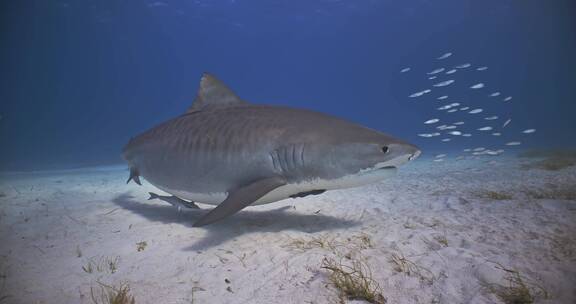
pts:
[79, 78]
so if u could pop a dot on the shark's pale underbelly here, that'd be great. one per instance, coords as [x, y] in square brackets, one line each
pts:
[284, 192]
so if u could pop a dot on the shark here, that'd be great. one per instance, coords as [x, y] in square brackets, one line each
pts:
[232, 153]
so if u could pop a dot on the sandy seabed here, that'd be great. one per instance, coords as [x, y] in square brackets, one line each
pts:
[432, 234]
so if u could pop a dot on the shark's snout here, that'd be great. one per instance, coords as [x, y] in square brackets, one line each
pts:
[414, 154]
[411, 152]
[401, 153]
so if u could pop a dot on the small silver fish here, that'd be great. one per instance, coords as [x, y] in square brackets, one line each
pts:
[508, 98]
[482, 68]
[495, 94]
[444, 56]
[485, 129]
[463, 66]
[452, 71]
[475, 111]
[477, 86]
[429, 134]
[436, 71]
[445, 127]
[491, 118]
[431, 121]
[513, 143]
[528, 131]
[506, 123]
[444, 83]
[404, 70]
[418, 94]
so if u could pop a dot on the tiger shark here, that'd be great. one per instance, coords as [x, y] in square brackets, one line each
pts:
[231, 153]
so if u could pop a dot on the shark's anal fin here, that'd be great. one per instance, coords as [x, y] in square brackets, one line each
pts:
[240, 198]
[134, 175]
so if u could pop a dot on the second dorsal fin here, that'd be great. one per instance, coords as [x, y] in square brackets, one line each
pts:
[213, 93]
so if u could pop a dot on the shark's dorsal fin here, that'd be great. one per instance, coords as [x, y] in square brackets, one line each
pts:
[213, 93]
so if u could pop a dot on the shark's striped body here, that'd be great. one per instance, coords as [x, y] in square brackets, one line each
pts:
[223, 145]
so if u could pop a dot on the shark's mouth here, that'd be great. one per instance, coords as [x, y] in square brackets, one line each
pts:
[378, 169]
[387, 167]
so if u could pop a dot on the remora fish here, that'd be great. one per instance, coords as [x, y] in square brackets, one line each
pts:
[227, 152]
[174, 201]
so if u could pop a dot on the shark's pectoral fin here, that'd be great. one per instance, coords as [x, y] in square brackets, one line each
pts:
[153, 196]
[240, 198]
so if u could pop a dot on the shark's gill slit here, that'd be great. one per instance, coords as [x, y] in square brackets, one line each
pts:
[294, 157]
[273, 160]
[302, 164]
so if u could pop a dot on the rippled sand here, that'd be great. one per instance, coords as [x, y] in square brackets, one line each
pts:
[453, 225]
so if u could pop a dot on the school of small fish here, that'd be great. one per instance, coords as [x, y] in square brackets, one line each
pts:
[493, 125]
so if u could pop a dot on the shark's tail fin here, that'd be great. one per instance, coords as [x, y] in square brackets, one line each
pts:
[153, 196]
[134, 175]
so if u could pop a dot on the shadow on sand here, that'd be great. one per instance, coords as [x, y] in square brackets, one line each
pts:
[244, 222]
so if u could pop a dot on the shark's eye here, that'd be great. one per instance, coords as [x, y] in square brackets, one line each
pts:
[385, 149]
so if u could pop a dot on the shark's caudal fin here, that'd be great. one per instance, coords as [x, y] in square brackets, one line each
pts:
[240, 198]
[213, 93]
[134, 175]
